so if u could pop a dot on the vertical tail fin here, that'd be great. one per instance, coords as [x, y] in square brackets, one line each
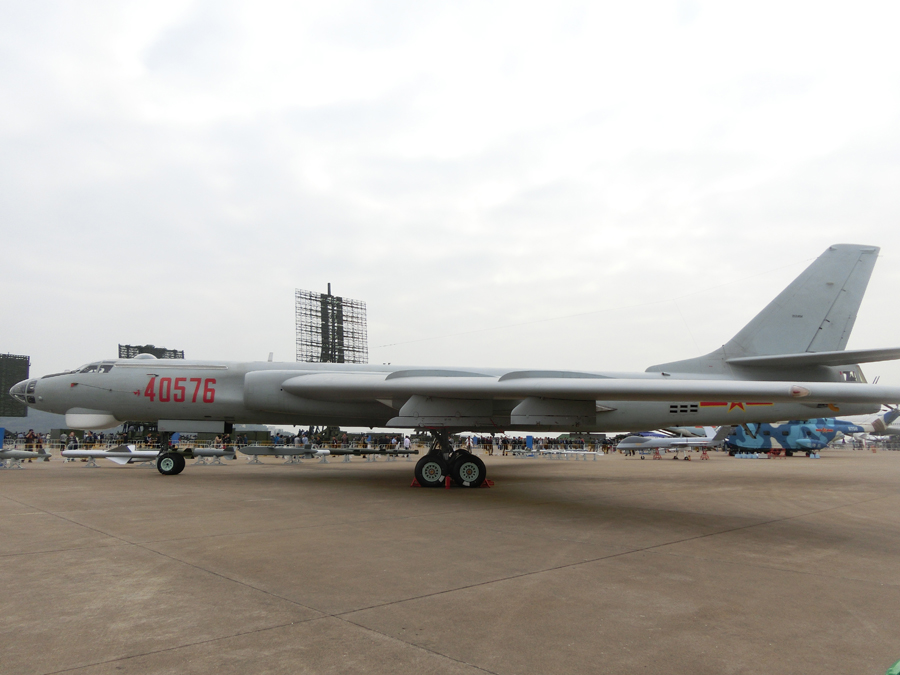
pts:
[815, 313]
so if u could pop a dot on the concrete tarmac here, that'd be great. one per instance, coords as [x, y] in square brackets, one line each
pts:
[609, 566]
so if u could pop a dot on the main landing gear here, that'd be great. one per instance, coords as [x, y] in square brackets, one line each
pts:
[442, 460]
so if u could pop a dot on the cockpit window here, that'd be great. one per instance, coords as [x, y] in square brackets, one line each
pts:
[97, 368]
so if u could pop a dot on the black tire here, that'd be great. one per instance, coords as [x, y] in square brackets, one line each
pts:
[170, 463]
[430, 471]
[468, 471]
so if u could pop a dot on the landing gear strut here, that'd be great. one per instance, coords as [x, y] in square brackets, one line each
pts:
[442, 460]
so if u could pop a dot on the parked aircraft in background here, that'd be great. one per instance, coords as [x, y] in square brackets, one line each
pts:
[790, 360]
[712, 438]
[878, 425]
[803, 436]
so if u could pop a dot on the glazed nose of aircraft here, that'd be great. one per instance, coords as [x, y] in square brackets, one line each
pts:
[21, 391]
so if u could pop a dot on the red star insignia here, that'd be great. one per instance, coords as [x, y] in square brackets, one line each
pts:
[732, 406]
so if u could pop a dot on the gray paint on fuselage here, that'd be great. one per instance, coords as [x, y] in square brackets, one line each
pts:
[260, 400]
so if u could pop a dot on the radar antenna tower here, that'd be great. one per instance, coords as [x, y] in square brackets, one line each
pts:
[330, 328]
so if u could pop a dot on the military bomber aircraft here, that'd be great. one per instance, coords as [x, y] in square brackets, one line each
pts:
[789, 362]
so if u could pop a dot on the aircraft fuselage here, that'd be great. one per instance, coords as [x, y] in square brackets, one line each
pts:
[108, 392]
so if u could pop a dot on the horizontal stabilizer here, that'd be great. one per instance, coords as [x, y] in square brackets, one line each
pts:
[807, 359]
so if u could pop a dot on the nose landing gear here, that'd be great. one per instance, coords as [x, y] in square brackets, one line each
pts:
[170, 463]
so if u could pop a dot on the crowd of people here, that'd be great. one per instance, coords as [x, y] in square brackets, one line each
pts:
[148, 437]
[305, 439]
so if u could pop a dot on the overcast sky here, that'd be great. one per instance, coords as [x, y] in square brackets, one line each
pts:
[559, 184]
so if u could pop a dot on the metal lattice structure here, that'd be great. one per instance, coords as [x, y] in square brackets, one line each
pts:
[330, 329]
[13, 369]
[130, 351]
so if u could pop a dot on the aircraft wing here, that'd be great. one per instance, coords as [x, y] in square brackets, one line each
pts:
[367, 386]
[692, 442]
[722, 433]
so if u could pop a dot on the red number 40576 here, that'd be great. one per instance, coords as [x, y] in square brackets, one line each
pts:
[178, 392]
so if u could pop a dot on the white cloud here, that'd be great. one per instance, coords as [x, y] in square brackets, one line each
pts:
[170, 172]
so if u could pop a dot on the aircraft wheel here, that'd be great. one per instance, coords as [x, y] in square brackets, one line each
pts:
[468, 471]
[430, 471]
[170, 464]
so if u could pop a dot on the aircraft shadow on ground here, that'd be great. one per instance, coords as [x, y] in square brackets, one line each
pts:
[523, 490]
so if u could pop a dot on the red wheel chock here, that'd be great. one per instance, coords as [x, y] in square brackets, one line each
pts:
[448, 482]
